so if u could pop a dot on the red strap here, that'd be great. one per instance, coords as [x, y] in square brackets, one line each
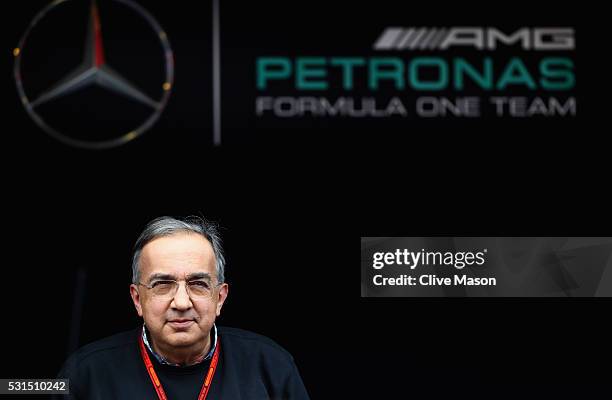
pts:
[157, 384]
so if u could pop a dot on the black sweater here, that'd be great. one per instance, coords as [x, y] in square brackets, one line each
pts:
[250, 366]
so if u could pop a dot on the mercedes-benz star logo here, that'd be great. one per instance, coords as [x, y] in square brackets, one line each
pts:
[94, 70]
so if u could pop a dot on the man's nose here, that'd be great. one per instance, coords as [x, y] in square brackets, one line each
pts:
[181, 300]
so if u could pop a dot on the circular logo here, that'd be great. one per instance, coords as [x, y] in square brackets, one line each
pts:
[105, 93]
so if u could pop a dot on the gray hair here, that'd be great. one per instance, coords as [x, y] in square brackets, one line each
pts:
[167, 226]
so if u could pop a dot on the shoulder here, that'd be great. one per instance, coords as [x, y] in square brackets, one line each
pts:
[252, 343]
[115, 342]
[258, 360]
[112, 347]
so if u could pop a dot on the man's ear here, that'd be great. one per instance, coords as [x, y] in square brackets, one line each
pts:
[136, 299]
[222, 296]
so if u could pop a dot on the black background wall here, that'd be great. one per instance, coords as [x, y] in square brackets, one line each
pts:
[294, 196]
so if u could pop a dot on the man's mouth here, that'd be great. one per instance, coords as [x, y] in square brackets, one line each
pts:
[180, 323]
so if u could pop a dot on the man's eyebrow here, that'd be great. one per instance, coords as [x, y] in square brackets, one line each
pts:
[198, 275]
[161, 276]
[169, 277]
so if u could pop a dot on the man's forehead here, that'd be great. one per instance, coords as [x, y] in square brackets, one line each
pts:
[179, 254]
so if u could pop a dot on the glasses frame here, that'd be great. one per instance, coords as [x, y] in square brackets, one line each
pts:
[178, 283]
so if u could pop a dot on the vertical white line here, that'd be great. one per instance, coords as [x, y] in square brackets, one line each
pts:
[216, 76]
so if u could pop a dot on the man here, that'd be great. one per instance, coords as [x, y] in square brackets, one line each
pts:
[178, 288]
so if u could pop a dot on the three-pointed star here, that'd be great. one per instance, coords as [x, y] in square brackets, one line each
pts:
[94, 71]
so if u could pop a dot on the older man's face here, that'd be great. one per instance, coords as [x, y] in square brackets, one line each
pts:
[181, 321]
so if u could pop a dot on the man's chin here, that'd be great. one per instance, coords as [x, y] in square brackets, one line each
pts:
[181, 337]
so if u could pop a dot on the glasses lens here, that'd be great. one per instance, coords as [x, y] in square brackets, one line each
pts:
[200, 289]
[163, 288]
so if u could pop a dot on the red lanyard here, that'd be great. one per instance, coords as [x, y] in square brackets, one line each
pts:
[157, 384]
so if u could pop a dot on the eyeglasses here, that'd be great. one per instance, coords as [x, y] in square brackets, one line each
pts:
[198, 289]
